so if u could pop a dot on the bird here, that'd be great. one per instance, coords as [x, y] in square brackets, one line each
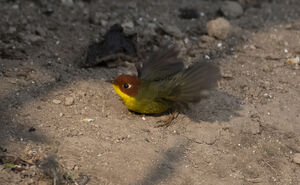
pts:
[163, 83]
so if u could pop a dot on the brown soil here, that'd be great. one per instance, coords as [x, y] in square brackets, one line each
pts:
[63, 123]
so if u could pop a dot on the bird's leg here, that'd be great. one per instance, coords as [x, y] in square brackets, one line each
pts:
[166, 123]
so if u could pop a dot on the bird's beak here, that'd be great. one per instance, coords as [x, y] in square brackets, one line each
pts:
[109, 81]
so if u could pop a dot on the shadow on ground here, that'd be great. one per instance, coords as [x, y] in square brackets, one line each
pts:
[165, 167]
[219, 106]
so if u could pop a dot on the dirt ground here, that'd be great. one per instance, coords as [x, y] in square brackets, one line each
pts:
[63, 124]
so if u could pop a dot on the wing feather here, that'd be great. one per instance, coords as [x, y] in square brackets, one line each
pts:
[160, 65]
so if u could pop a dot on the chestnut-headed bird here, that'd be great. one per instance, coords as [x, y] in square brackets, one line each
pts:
[163, 83]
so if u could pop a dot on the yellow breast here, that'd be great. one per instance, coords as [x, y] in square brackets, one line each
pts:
[143, 106]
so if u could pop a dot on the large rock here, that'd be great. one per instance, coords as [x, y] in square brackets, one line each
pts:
[231, 9]
[219, 28]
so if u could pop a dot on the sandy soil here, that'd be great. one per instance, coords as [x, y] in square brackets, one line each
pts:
[63, 123]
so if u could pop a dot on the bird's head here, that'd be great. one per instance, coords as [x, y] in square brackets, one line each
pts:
[126, 85]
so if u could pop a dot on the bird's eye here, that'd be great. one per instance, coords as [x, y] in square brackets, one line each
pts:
[126, 86]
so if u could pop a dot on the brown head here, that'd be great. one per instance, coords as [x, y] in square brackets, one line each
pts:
[127, 84]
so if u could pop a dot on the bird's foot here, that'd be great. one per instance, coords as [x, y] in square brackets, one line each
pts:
[166, 123]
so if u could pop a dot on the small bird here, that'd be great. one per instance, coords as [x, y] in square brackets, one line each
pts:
[163, 83]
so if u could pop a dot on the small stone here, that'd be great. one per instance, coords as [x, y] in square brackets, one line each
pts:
[12, 30]
[15, 6]
[227, 75]
[295, 60]
[128, 25]
[40, 31]
[186, 40]
[67, 2]
[69, 101]
[89, 120]
[231, 9]
[55, 101]
[206, 39]
[207, 57]
[172, 30]
[103, 22]
[252, 47]
[31, 38]
[266, 68]
[296, 158]
[219, 28]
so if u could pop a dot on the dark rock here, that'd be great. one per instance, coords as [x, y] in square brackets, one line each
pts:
[188, 13]
[115, 45]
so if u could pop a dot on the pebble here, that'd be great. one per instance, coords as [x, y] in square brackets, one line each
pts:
[12, 30]
[227, 75]
[266, 68]
[172, 30]
[67, 2]
[103, 23]
[232, 9]
[15, 6]
[40, 31]
[69, 101]
[295, 60]
[206, 39]
[55, 101]
[219, 28]
[296, 158]
[207, 57]
[128, 24]
[89, 120]
[31, 38]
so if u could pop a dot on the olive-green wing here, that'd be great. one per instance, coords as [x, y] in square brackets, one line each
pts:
[186, 86]
[160, 65]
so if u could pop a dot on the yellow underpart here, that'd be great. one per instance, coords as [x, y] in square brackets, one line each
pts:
[144, 106]
[128, 100]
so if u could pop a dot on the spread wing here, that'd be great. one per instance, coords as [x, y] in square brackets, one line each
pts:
[160, 65]
[187, 85]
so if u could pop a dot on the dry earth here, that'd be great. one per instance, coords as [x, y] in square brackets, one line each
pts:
[62, 123]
